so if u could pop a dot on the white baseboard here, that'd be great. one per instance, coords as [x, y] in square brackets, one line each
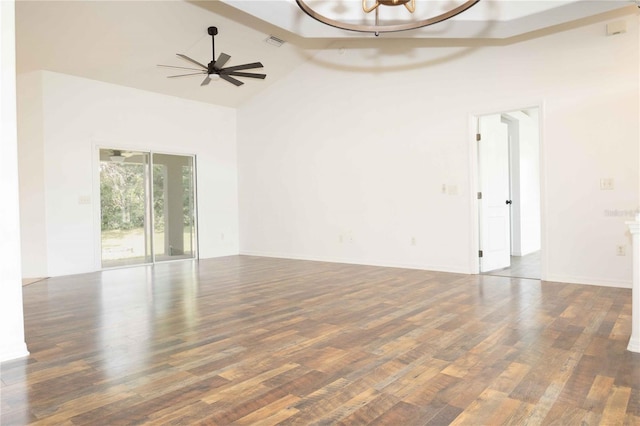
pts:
[368, 262]
[589, 281]
[15, 352]
[435, 268]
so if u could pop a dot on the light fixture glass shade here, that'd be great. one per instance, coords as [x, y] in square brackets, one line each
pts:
[117, 158]
[339, 14]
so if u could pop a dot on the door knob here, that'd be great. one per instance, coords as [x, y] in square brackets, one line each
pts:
[508, 202]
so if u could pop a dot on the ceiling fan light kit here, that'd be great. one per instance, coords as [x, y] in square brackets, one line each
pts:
[379, 27]
[215, 70]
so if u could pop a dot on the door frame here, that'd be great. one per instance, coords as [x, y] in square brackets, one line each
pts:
[97, 145]
[474, 224]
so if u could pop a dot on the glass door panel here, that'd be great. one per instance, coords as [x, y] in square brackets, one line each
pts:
[173, 207]
[124, 183]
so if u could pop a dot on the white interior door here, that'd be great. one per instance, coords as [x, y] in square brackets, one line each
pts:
[493, 168]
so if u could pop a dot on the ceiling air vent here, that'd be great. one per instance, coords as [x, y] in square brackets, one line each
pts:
[274, 41]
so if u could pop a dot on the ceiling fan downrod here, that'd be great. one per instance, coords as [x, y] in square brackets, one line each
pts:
[213, 32]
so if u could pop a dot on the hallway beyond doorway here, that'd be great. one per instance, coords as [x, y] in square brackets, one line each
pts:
[527, 266]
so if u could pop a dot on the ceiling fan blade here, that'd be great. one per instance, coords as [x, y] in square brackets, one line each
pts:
[184, 75]
[246, 74]
[222, 59]
[243, 67]
[186, 58]
[231, 80]
[206, 81]
[180, 68]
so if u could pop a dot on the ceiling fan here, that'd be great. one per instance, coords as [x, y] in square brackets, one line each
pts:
[215, 67]
[118, 156]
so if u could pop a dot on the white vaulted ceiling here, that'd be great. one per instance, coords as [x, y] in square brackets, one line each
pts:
[122, 42]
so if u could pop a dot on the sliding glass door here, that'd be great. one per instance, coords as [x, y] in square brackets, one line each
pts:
[147, 207]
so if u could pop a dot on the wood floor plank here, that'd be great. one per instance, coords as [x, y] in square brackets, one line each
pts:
[431, 390]
[510, 377]
[271, 414]
[633, 407]
[414, 380]
[250, 340]
[370, 411]
[179, 415]
[350, 406]
[401, 413]
[616, 406]
[509, 412]
[598, 393]
[487, 403]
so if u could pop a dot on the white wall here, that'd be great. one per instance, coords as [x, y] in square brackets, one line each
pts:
[74, 118]
[358, 145]
[12, 343]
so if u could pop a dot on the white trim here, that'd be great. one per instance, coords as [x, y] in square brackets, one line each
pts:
[634, 339]
[589, 281]
[12, 336]
[97, 234]
[544, 214]
[363, 262]
[97, 223]
[431, 268]
[474, 237]
[474, 225]
[19, 351]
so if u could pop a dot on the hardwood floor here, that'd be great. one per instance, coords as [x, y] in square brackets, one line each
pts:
[27, 281]
[248, 340]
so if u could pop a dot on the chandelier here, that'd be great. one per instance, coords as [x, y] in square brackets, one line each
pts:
[378, 27]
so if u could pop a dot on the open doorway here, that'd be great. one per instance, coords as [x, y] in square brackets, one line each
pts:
[509, 221]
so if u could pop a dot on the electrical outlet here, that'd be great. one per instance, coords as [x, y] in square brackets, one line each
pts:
[606, 184]
[621, 250]
[413, 241]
